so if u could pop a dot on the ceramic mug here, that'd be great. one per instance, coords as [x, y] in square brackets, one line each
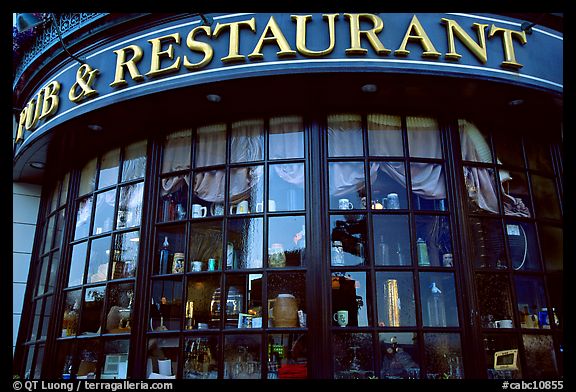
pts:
[271, 206]
[199, 211]
[341, 317]
[241, 208]
[344, 204]
[503, 323]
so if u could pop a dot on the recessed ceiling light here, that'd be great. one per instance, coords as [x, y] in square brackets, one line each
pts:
[37, 165]
[213, 98]
[95, 127]
[515, 102]
[369, 88]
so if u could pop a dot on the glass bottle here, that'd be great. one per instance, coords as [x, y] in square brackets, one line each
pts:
[164, 257]
[435, 307]
[422, 248]
[384, 251]
[337, 253]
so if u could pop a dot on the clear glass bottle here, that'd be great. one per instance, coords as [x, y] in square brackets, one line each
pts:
[337, 253]
[435, 307]
[164, 257]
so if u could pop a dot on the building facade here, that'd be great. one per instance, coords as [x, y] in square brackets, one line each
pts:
[260, 196]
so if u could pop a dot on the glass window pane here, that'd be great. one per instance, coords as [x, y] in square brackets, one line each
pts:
[286, 137]
[88, 359]
[37, 317]
[433, 241]
[515, 196]
[46, 317]
[162, 357]
[54, 195]
[345, 135]
[348, 236]
[556, 291]
[522, 245]
[83, 217]
[538, 155]
[349, 295]
[552, 247]
[247, 141]
[29, 361]
[134, 165]
[115, 359]
[495, 347]
[200, 357]
[104, 214]
[286, 241]
[474, 143]
[201, 312]
[494, 300]
[54, 264]
[439, 307]
[347, 187]
[206, 246]
[400, 358]
[130, 206]
[41, 283]
[119, 308]
[87, 178]
[482, 189]
[76, 276]
[246, 189]
[59, 230]
[71, 316]
[286, 301]
[242, 358]
[209, 192]
[487, 243]
[287, 356]
[428, 186]
[540, 357]
[170, 242]
[545, 199]
[245, 243]
[177, 150]
[64, 192]
[49, 231]
[109, 168]
[166, 308]
[385, 135]
[99, 257]
[532, 308]
[211, 145]
[388, 185]
[243, 300]
[286, 187]
[173, 198]
[391, 240]
[508, 147]
[423, 137]
[353, 356]
[64, 359]
[125, 259]
[443, 356]
[395, 298]
[38, 363]
[92, 310]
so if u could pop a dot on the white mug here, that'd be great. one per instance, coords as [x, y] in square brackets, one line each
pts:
[241, 208]
[503, 323]
[199, 211]
[341, 317]
[344, 204]
[271, 206]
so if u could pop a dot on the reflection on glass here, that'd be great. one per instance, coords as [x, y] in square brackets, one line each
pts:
[428, 186]
[286, 137]
[46, 317]
[87, 178]
[88, 359]
[388, 181]
[130, 206]
[488, 243]
[49, 231]
[349, 295]
[104, 214]
[395, 299]
[532, 308]
[347, 189]
[391, 240]
[37, 313]
[166, 305]
[499, 363]
[246, 190]
[385, 135]
[443, 356]
[98, 263]
[54, 194]
[538, 155]
[134, 165]
[552, 247]
[353, 356]
[287, 356]
[119, 308]
[64, 191]
[345, 135]
[70, 319]
[438, 297]
[92, 310]
[287, 300]
[211, 145]
[76, 276]
[522, 245]
[162, 357]
[177, 149]
[39, 359]
[540, 357]
[474, 143]
[423, 137]
[242, 357]
[125, 259]
[545, 199]
[286, 187]
[205, 246]
[247, 141]
[173, 198]
[109, 168]
[29, 359]
[494, 300]
[286, 241]
[54, 264]
[556, 291]
[115, 360]
[243, 305]
[348, 240]
[170, 243]
[515, 196]
[482, 189]
[434, 244]
[199, 301]
[83, 217]
[41, 283]
[200, 357]
[245, 241]
[59, 231]
[400, 359]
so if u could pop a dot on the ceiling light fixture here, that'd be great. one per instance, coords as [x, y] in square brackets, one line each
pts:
[214, 98]
[369, 88]
[37, 165]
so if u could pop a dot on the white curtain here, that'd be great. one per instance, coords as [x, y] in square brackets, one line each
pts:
[177, 149]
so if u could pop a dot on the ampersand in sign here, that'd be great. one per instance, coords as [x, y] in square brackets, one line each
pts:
[84, 79]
